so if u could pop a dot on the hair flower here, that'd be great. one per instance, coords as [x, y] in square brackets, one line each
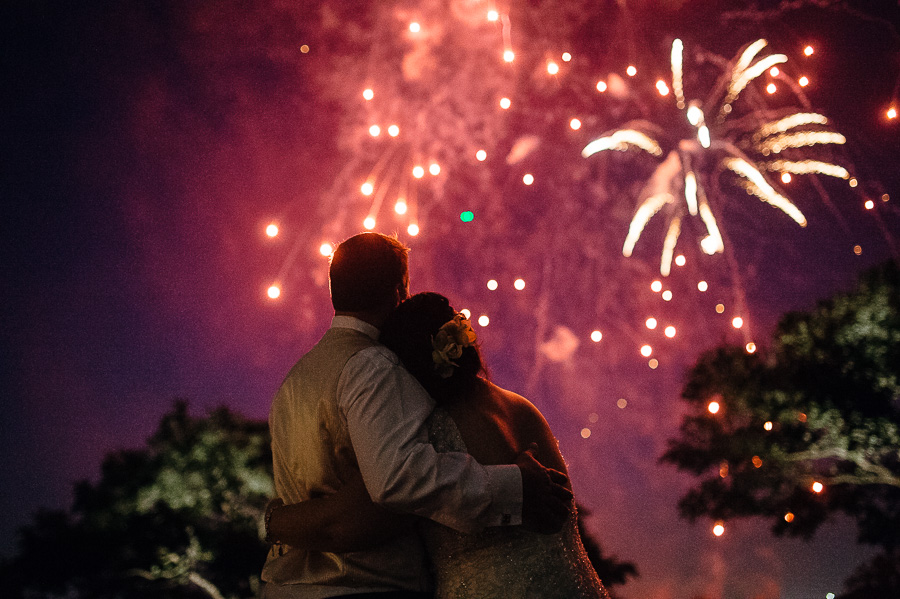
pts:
[449, 342]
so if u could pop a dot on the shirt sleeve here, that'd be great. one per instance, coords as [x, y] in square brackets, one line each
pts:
[386, 410]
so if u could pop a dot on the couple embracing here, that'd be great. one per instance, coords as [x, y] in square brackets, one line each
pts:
[401, 471]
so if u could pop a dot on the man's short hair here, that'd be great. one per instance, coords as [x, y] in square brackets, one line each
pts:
[365, 272]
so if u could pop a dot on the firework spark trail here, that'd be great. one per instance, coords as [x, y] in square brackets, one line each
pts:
[720, 150]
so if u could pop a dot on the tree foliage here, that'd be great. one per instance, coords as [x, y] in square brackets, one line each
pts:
[821, 406]
[178, 519]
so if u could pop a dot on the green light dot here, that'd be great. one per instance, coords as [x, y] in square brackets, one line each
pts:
[467, 216]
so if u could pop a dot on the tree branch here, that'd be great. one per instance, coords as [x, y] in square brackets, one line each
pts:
[879, 474]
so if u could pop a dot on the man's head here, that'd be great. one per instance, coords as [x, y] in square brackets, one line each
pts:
[369, 273]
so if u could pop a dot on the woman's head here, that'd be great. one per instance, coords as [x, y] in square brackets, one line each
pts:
[442, 359]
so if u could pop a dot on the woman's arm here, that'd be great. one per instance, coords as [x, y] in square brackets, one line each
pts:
[342, 522]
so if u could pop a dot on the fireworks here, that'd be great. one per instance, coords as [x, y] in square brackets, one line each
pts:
[720, 147]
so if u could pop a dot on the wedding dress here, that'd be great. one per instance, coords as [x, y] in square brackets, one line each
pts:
[508, 562]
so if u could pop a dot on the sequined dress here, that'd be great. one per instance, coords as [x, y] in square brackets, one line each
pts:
[507, 562]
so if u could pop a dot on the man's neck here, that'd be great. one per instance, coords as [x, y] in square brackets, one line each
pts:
[373, 318]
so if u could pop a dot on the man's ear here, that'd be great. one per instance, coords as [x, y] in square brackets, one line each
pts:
[399, 295]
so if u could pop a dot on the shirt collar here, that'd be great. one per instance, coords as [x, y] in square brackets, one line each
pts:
[351, 322]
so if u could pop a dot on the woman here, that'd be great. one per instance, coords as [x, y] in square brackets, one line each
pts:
[437, 345]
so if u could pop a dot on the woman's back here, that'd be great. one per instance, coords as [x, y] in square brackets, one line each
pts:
[497, 425]
[494, 426]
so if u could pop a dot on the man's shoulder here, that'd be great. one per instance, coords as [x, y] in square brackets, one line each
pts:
[350, 345]
[375, 355]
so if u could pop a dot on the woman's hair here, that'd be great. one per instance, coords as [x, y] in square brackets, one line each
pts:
[408, 332]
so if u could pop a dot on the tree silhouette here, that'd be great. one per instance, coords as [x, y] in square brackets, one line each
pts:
[809, 428]
[179, 518]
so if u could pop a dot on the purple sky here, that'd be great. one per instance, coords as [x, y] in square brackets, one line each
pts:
[136, 186]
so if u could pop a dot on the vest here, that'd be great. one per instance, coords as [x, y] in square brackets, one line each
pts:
[312, 455]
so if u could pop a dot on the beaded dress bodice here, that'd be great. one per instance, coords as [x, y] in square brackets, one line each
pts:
[508, 562]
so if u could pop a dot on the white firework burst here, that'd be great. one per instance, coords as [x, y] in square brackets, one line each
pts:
[742, 148]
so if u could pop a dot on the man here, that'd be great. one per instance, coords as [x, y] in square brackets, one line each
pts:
[347, 406]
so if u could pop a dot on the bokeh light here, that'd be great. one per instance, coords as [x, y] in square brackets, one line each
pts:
[272, 230]
[718, 529]
[393, 130]
[528, 179]
[818, 487]
[656, 286]
[646, 350]
[601, 86]
[631, 70]
[374, 130]
[670, 331]
[369, 223]
[767, 425]
[737, 322]
[273, 291]
[434, 168]
[667, 295]
[415, 27]
[575, 124]
[418, 172]
[367, 188]
[326, 249]
[519, 284]
[585, 433]
[480, 155]
[400, 207]
[622, 403]
[702, 286]
[413, 229]
[492, 284]
[552, 68]
[713, 407]
[505, 103]
[368, 94]
[483, 320]
[651, 323]
[596, 336]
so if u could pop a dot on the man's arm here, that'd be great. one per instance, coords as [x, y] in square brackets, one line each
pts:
[343, 521]
[386, 410]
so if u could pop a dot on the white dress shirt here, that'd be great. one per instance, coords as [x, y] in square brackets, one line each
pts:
[386, 409]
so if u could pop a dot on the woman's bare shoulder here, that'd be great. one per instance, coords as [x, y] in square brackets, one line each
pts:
[531, 427]
[519, 407]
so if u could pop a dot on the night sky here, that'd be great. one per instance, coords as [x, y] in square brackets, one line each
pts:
[147, 144]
